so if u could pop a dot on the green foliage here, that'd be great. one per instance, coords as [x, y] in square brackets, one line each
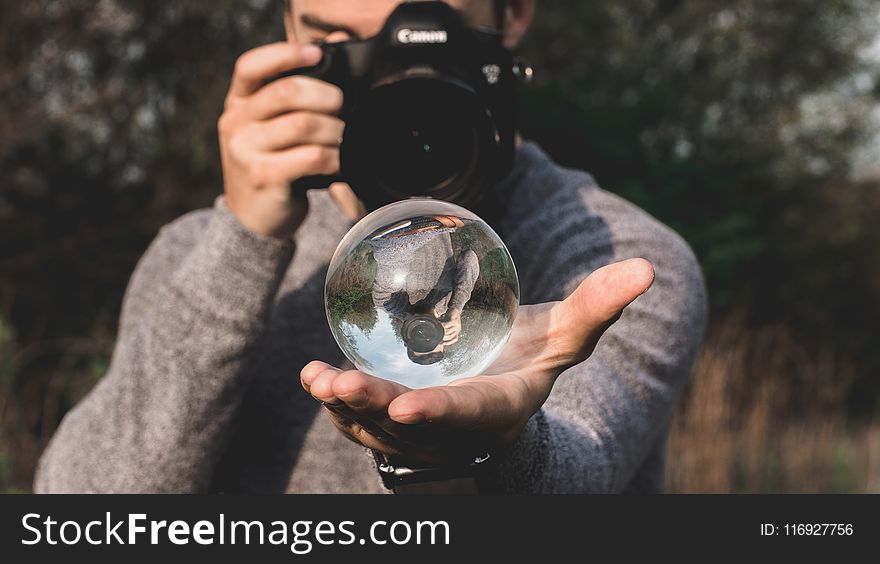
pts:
[702, 113]
[350, 291]
[7, 347]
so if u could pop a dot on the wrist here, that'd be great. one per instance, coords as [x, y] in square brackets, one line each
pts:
[404, 476]
[230, 265]
[278, 220]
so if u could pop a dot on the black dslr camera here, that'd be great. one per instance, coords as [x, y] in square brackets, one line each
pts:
[429, 107]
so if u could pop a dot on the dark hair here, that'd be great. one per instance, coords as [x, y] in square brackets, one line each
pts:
[424, 359]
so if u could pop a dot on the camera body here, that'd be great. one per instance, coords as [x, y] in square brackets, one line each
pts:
[430, 107]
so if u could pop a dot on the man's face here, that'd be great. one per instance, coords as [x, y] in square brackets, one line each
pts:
[341, 20]
[428, 358]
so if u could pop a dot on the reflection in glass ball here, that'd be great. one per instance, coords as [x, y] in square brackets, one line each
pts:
[421, 292]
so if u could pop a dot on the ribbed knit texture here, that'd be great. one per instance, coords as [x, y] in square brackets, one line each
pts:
[203, 394]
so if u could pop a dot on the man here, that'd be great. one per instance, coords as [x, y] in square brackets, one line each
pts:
[222, 324]
[417, 272]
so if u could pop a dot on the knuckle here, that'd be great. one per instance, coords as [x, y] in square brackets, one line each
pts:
[298, 125]
[321, 157]
[229, 101]
[243, 65]
[227, 123]
[286, 90]
[337, 99]
[237, 146]
[259, 170]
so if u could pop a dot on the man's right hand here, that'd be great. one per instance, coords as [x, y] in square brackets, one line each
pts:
[272, 134]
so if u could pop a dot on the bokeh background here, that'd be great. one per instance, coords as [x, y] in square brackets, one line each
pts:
[750, 126]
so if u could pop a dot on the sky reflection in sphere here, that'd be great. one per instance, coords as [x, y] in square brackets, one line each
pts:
[421, 292]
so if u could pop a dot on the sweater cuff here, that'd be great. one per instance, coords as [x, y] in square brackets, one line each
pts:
[522, 466]
[233, 273]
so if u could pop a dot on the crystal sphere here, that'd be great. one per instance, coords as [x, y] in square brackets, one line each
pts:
[421, 292]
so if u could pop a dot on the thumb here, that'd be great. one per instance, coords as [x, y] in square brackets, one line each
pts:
[346, 200]
[577, 323]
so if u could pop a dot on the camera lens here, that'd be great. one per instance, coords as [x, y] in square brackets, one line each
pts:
[421, 136]
[422, 144]
[422, 333]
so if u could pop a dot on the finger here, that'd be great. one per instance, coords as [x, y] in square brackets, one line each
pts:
[445, 220]
[368, 436]
[365, 394]
[322, 386]
[345, 415]
[346, 200]
[365, 400]
[449, 220]
[303, 160]
[379, 425]
[433, 446]
[295, 93]
[312, 370]
[577, 322]
[298, 128]
[258, 65]
[466, 406]
[451, 332]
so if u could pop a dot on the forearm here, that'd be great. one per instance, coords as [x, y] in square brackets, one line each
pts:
[592, 450]
[160, 417]
[605, 415]
[594, 432]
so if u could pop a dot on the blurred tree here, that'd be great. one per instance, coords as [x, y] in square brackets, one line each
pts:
[725, 119]
[737, 124]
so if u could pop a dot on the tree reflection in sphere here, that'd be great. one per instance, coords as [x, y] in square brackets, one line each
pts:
[421, 292]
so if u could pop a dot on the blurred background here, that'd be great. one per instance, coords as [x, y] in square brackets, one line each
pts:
[752, 127]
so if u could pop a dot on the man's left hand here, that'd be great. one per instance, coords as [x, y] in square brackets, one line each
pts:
[471, 416]
[451, 327]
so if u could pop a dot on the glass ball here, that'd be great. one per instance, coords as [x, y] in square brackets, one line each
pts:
[421, 292]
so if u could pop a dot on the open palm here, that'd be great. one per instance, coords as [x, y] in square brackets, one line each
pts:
[454, 423]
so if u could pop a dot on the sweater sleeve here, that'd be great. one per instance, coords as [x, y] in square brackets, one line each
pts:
[467, 269]
[194, 310]
[606, 414]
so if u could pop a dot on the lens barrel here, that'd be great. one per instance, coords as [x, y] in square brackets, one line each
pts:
[423, 135]
[422, 333]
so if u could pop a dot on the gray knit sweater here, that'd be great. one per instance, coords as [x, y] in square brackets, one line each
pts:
[437, 280]
[202, 393]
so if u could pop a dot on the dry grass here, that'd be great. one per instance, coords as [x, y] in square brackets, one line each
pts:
[763, 413]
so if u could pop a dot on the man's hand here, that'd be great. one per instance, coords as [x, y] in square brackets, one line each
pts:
[454, 423]
[274, 133]
[451, 326]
